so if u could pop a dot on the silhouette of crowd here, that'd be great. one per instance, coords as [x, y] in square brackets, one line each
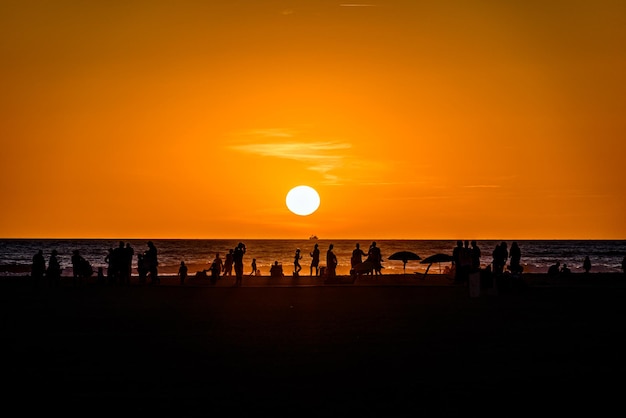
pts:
[505, 267]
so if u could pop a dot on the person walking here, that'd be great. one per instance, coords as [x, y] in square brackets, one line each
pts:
[296, 263]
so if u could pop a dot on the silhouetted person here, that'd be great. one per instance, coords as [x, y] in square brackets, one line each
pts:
[500, 256]
[296, 262]
[216, 267]
[475, 257]
[315, 260]
[565, 271]
[375, 257]
[151, 259]
[101, 279]
[182, 272]
[357, 256]
[516, 256]
[119, 263]
[587, 264]
[456, 259]
[465, 262]
[142, 268]
[276, 270]
[38, 269]
[129, 252]
[331, 262]
[81, 268]
[228, 263]
[553, 270]
[253, 265]
[110, 266]
[238, 254]
[53, 272]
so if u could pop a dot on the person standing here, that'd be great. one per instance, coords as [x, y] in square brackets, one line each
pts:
[216, 267]
[53, 272]
[315, 260]
[587, 264]
[38, 269]
[152, 262]
[516, 256]
[253, 265]
[228, 264]
[376, 258]
[238, 254]
[357, 256]
[296, 263]
[331, 262]
[129, 252]
[182, 272]
[475, 256]
[456, 260]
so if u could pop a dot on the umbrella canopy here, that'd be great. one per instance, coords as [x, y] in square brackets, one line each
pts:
[404, 256]
[436, 258]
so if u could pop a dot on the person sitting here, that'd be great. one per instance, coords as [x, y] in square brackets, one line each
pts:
[276, 270]
[553, 271]
[565, 270]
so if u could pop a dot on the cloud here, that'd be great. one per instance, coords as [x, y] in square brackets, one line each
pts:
[320, 156]
[356, 5]
[483, 186]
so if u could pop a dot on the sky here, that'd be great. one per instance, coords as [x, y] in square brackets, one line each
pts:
[412, 119]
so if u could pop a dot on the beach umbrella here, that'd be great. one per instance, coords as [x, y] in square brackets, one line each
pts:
[436, 258]
[404, 256]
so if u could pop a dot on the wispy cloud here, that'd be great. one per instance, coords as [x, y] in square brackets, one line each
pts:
[320, 156]
[483, 186]
[357, 5]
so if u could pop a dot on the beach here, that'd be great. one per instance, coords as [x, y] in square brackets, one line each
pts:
[394, 345]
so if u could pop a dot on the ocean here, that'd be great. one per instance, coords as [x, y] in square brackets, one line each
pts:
[537, 255]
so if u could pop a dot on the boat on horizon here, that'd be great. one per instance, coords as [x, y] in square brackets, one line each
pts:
[313, 237]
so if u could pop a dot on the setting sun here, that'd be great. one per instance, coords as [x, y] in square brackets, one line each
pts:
[303, 200]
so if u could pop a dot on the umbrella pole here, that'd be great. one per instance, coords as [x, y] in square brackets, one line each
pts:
[427, 268]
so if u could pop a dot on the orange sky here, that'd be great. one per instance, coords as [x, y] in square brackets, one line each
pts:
[412, 119]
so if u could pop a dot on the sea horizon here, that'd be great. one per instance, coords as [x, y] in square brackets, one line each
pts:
[537, 255]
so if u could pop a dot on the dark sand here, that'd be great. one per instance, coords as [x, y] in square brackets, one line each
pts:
[397, 347]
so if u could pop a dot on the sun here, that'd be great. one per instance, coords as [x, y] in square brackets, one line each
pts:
[303, 200]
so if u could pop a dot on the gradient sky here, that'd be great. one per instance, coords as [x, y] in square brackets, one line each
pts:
[412, 119]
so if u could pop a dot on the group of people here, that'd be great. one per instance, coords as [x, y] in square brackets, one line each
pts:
[118, 260]
[371, 262]
[233, 259]
[465, 258]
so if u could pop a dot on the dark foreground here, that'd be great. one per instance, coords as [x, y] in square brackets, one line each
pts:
[338, 351]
